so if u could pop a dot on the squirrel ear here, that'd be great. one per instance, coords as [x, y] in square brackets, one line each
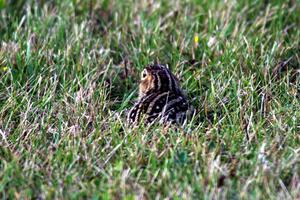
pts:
[163, 65]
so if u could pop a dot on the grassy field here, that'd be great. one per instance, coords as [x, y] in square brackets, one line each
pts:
[69, 70]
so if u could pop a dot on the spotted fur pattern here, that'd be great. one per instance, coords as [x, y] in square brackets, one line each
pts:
[160, 98]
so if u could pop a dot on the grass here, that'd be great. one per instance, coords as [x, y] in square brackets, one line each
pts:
[70, 69]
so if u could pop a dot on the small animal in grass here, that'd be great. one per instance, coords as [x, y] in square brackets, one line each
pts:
[160, 98]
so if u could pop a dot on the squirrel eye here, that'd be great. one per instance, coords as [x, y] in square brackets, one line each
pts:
[144, 74]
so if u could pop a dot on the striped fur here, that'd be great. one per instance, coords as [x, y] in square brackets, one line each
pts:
[160, 97]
